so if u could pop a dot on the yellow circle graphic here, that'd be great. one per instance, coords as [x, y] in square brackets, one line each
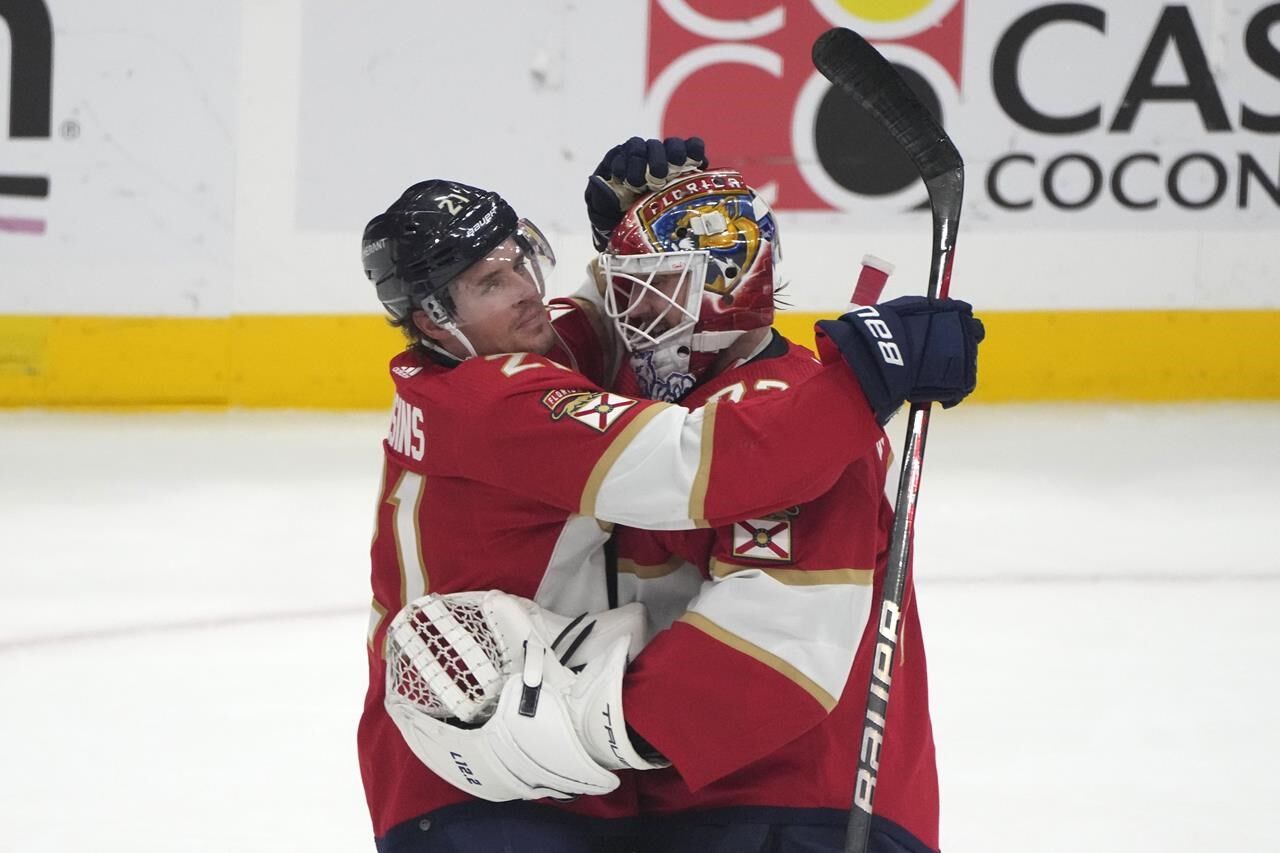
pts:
[884, 10]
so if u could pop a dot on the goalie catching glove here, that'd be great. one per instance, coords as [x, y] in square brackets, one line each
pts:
[482, 687]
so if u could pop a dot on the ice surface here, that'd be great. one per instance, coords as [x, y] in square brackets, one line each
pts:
[183, 604]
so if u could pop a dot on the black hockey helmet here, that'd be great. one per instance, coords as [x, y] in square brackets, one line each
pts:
[434, 231]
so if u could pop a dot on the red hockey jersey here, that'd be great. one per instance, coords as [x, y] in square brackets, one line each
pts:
[749, 690]
[506, 471]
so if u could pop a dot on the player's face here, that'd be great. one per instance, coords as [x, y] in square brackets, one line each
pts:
[660, 301]
[499, 305]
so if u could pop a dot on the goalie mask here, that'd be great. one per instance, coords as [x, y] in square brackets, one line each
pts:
[434, 232]
[689, 270]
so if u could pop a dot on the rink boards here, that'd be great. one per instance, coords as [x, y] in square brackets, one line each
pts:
[339, 361]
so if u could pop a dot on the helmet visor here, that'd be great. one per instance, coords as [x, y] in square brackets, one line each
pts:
[537, 253]
[512, 271]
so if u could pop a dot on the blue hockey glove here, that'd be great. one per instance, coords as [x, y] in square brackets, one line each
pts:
[631, 169]
[908, 350]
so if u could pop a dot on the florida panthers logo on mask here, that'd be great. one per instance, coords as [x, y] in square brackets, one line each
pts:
[690, 269]
[716, 213]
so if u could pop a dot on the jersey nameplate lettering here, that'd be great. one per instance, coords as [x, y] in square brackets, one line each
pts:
[407, 437]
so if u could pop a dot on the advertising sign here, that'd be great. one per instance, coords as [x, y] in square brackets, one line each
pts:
[1147, 115]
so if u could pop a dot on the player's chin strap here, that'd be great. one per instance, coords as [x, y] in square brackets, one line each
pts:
[760, 347]
[442, 317]
[714, 341]
[452, 328]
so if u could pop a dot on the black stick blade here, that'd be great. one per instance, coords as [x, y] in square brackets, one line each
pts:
[847, 60]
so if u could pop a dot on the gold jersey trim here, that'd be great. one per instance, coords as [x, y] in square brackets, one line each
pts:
[798, 577]
[769, 659]
[702, 480]
[376, 614]
[648, 572]
[591, 491]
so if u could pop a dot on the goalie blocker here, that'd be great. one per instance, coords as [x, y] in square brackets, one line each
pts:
[507, 701]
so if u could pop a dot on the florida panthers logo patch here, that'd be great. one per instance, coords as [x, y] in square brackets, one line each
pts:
[763, 539]
[598, 410]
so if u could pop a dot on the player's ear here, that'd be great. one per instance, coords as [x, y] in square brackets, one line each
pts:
[428, 327]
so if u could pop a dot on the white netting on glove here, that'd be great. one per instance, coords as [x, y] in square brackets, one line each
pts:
[444, 657]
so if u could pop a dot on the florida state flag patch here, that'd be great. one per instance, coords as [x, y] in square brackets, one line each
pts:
[601, 411]
[763, 539]
[596, 410]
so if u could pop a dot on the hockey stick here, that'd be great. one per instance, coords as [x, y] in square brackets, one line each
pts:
[846, 59]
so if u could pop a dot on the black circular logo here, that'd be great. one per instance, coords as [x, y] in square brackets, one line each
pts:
[856, 151]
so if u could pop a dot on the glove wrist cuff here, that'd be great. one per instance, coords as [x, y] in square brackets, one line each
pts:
[604, 731]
